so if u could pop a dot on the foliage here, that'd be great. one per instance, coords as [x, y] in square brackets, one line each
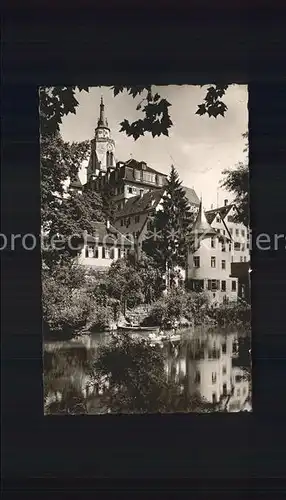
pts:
[178, 305]
[166, 242]
[64, 215]
[213, 105]
[66, 301]
[237, 182]
[233, 313]
[56, 102]
[64, 309]
[100, 318]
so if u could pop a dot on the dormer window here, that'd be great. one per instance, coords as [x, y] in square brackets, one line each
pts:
[143, 165]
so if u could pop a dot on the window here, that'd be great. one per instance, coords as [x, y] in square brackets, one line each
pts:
[229, 247]
[236, 245]
[230, 218]
[141, 192]
[242, 247]
[223, 246]
[242, 232]
[218, 230]
[103, 252]
[112, 253]
[223, 264]
[212, 261]
[130, 190]
[241, 259]
[230, 230]
[213, 285]
[197, 285]
[223, 286]
[223, 347]
[86, 252]
[214, 397]
[217, 219]
[244, 391]
[96, 253]
[213, 243]
[223, 231]
[213, 378]
[233, 286]
[197, 378]
[224, 389]
[237, 232]
[119, 253]
[224, 370]
[122, 222]
[137, 218]
[244, 259]
[196, 262]
[90, 251]
[127, 222]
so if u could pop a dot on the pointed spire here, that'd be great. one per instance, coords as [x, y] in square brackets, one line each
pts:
[102, 122]
[201, 227]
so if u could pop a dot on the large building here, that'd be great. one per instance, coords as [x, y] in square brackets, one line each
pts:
[209, 262]
[223, 220]
[122, 179]
[135, 219]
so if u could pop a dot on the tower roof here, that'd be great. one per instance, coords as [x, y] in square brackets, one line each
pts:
[102, 121]
[201, 226]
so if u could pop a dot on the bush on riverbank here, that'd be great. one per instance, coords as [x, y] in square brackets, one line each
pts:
[179, 306]
[194, 307]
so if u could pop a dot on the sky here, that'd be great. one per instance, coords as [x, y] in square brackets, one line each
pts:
[199, 147]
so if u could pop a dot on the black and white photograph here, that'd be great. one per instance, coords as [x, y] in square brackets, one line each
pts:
[146, 249]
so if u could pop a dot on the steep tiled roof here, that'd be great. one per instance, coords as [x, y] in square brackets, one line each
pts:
[107, 235]
[137, 204]
[138, 164]
[221, 211]
[191, 195]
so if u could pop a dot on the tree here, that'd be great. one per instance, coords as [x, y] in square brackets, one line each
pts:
[166, 242]
[124, 283]
[56, 102]
[237, 182]
[64, 214]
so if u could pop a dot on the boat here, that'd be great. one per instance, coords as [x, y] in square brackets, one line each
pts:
[138, 329]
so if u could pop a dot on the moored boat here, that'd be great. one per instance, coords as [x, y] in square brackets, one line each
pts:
[138, 329]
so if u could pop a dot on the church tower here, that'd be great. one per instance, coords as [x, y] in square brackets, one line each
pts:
[102, 148]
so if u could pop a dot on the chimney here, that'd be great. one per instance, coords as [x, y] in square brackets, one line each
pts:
[225, 203]
[107, 224]
[212, 206]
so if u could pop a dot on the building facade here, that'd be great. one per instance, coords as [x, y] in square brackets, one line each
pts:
[223, 220]
[208, 266]
[105, 246]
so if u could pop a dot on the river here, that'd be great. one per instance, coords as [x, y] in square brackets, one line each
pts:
[214, 364]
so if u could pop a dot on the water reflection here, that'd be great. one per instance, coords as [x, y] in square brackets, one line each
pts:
[216, 366]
